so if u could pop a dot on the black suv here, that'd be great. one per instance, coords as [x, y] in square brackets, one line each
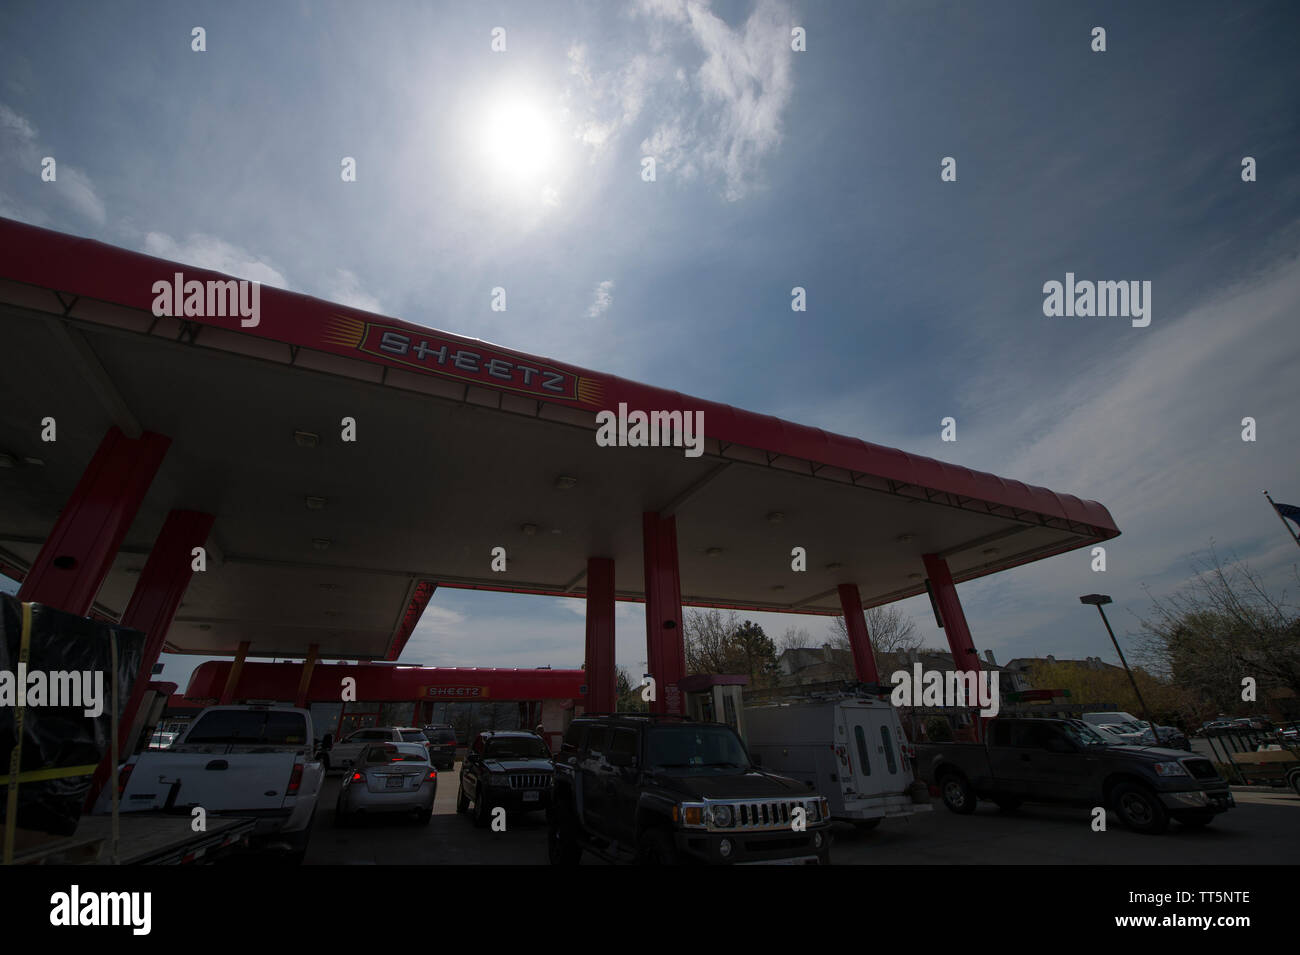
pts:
[511, 769]
[665, 790]
[442, 745]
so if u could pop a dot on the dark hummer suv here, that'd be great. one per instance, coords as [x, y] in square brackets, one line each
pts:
[1067, 761]
[510, 769]
[666, 790]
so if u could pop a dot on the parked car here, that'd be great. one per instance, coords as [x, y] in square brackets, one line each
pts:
[510, 769]
[851, 748]
[247, 760]
[342, 753]
[1067, 761]
[442, 744]
[663, 790]
[388, 778]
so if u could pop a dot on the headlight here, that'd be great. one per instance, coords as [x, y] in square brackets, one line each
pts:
[1170, 769]
[814, 809]
[724, 817]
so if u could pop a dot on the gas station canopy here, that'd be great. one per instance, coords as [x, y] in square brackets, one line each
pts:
[460, 447]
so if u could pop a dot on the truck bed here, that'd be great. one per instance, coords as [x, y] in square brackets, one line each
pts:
[144, 838]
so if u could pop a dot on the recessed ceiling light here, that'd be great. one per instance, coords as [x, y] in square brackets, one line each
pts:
[713, 552]
[834, 565]
[528, 529]
[905, 538]
[913, 576]
[775, 517]
[315, 503]
[306, 439]
[320, 543]
[564, 482]
[8, 460]
[778, 586]
[34, 462]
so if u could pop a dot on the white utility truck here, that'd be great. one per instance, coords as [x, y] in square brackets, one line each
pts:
[849, 746]
[247, 760]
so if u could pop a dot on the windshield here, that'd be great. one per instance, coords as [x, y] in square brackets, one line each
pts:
[702, 749]
[1084, 734]
[518, 747]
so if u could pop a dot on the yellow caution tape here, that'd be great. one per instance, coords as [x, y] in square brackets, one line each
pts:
[57, 772]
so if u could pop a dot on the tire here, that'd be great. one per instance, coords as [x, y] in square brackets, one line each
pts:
[562, 846]
[462, 801]
[482, 811]
[1196, 820]
[1140, 809]
[1294, 780]
[657, 848]
[866, 825]
[958, 795]
[1008, 803]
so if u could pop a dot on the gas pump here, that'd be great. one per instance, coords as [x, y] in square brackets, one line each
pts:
[716, 698]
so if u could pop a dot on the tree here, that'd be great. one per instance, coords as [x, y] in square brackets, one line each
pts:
[628, 694]
[1222, 626]
[723, 644]
[890, 630]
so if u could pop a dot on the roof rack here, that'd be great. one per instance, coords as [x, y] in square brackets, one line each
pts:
[830, 690]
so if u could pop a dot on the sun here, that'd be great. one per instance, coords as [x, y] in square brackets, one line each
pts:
[519, 143]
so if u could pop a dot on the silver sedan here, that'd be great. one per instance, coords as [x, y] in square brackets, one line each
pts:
[388, 778]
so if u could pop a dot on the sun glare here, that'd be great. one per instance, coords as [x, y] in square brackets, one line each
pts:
[519, 144]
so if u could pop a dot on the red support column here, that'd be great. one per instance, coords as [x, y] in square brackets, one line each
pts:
[964, 656]
[71, 567]
[855, 622]
[153, 604]
[602, 693]
[665, 649]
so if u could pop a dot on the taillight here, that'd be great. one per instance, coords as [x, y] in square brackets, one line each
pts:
[123, 775]
[356, 777]
[295, 779]
[433, 774]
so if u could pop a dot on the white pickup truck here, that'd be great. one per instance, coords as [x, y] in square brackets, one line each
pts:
[247, 760]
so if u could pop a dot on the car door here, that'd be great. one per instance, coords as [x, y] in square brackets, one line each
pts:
[471, 771]
[1058, 769]
[1009, 760]
[593, 779]
[621, 784]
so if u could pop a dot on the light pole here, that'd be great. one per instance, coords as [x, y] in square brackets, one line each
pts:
[1097, 600]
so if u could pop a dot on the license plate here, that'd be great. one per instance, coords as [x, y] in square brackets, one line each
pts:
[394, 782]
[532, 796]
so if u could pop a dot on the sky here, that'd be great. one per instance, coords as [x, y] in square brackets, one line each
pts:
[523, 168]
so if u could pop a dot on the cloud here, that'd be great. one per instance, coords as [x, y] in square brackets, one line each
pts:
[603, 300]
[209, 252]
[345, 288]
[20, 147]
[719, 121]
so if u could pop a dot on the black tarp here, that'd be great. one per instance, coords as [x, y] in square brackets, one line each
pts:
[60, 737]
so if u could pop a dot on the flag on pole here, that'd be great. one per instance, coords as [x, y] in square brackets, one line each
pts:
[1289, 511]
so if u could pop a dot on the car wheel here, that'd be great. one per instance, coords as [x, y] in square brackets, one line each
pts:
[657, 848]
[1007, 804]
[1196, 820]
[958, 795]
[1140, 809]
[1295, 782]
[462, 801]
[482, 811]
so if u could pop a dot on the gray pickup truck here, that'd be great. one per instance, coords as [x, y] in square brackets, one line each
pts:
[1066, 761]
